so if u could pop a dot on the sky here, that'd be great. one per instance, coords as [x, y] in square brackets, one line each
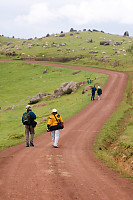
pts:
[36, 18]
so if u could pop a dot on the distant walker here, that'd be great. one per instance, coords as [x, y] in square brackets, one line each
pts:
[99, 92]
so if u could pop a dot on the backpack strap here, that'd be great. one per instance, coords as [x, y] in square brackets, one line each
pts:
[56, 119]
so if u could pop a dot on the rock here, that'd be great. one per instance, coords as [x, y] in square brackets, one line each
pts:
[38, 98]
[45, 71]
[126, 33]
[62, 44]
[104, 59]
[58, 92]
[48, 35]
[83, 48]
[41, 95]
[72, 30]
[9, 43]
[95, 30]
[69, 87]
[10, 108]
[76, 72]
[65, 88]
[93, 52]
[53, 45]
[118, 43]
[34, 100]
[11, 54]
[62, 35]
[87, 88]
[105, 42]
[89, 40]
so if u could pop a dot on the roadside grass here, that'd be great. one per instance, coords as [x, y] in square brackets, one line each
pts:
[20, 81]
[114, 144]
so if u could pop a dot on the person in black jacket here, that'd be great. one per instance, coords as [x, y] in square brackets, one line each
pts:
[99, 92]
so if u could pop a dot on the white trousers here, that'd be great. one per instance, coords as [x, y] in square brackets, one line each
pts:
[98, 97]
[55, 137]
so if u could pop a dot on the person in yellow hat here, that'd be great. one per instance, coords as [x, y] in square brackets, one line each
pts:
[53, 125]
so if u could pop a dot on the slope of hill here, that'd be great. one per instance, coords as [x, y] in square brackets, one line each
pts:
[82, 47]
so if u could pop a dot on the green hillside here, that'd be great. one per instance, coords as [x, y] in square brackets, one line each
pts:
[76, 46]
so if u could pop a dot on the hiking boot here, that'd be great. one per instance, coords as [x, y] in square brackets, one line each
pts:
[31, 144]
[27, 145]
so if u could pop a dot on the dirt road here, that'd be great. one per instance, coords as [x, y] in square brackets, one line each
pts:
[71, 171]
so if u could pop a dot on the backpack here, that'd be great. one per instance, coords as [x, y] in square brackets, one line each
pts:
[100, 91]
[27, 119]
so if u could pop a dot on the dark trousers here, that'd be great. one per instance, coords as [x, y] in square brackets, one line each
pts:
[92, 97]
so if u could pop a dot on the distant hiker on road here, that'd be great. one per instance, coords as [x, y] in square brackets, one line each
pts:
[93, 90]
[99, 92]
[55, 123]
[28, 120]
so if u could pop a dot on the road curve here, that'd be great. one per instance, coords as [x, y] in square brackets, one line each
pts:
[71, 171]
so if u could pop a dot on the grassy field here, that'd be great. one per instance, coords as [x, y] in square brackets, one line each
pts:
[116, 57]
[115, 142]
[20, 81]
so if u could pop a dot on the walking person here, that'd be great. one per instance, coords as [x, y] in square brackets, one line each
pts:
[93, 90]
[99, 92]
[53, 125]
[28, 120]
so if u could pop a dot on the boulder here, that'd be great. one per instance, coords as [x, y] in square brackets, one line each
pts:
[72, 30]
[58, 92]
[62, 35]
[65, 88]
[53, 45]
[62, 44]
[93, 52]
[95, 30]
[69, 87]
[48, 35]
[41, 95]
[45, 71]
[83, 48]
[76, 72]
[87, 88]
[34, 100]
[126, 33]
[118, 43]
[104, 59]
[38, 98]
[105, 42]
[89, 40]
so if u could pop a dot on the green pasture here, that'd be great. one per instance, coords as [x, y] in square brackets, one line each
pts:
[116, 57]
[20, 81]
